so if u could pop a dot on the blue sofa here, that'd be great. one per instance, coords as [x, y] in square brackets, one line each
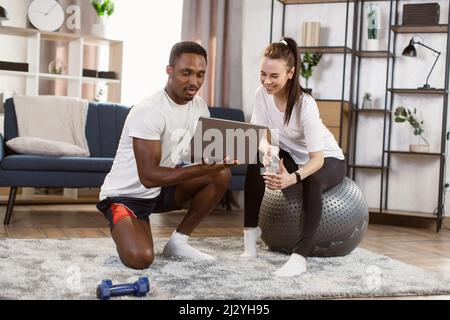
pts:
[103, 130]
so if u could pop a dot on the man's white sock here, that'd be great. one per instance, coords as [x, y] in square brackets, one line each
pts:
[295, 266]
[177, 246]
[251, 237]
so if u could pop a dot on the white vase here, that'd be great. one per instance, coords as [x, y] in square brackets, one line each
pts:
[417, 143]
[367, 103]
[100, 29]
[422, 148]
[372, 44]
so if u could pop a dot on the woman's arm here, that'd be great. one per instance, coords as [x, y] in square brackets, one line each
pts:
[312, 166]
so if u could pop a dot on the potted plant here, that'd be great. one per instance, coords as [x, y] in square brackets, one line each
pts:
[56, 67]
[373, 26]
[418, 142]
[104, 9]
[367, 101]
[307, 63]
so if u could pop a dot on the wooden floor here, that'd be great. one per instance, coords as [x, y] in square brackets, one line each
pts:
[422, 247]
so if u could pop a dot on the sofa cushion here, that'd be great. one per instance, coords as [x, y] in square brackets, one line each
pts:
[104, 127]
[44, 147]
[240, 170]
[41, 163]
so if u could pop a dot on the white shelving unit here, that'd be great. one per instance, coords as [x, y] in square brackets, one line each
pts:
[77, 45]
[37, 81]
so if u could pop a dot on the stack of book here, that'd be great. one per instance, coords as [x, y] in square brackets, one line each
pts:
[99, 74]
[310, 33]
[13, 66]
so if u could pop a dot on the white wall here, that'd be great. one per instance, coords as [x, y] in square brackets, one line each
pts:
[413, 180]
[148, 29]
[256, 36]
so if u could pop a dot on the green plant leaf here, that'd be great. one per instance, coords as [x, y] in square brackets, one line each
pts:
[103, 7]
[97, 6]
[308, 62]
[403, 114]
[111, 10]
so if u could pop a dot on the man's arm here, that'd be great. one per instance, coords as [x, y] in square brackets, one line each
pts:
[148, 157]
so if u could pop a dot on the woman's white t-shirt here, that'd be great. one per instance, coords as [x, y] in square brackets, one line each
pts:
[305, 132]
[157, 117]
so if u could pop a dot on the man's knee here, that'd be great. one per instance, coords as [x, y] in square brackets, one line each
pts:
[223, 178]
[138, 259]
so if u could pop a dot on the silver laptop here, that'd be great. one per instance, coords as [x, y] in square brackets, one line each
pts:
[214, 139]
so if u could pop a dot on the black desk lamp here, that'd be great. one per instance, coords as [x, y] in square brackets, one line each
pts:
[410, 51]
[3, 15]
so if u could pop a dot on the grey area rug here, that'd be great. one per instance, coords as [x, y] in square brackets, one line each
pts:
[72, 269]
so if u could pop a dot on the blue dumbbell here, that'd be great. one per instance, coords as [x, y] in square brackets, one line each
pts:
[106, 290]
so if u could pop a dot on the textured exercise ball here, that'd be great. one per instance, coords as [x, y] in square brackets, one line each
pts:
[345, 218]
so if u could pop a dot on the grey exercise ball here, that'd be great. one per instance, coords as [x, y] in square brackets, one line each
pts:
[345, 218]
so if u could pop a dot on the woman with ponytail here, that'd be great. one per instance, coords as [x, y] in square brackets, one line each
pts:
[308, 152]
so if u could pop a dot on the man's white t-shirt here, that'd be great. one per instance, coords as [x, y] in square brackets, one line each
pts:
[305, 132]
[157, 117]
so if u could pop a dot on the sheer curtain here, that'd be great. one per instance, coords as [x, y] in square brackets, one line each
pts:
[217, 26]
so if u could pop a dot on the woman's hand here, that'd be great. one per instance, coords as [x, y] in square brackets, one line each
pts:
[280, 180]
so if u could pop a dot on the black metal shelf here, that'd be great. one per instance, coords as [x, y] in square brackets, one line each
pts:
[390, 95]
[414, 153]
[424, 215]
[368, 167]
[294, 2]
[353, 55]
[441, 28]
[418, 91]
[334, 100]
[373, 111]
[374, 54]
[326, 50]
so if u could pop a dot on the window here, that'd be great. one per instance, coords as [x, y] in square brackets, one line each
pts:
[149, 29]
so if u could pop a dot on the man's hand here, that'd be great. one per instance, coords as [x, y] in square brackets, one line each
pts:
[226, 163]
[151, 174]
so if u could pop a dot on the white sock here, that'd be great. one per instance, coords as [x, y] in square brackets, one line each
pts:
[251, 236]
[177, 246]
[295, 266]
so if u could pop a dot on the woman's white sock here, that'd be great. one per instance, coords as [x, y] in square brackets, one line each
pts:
[295, 266]
[251, 237]
[177, 246]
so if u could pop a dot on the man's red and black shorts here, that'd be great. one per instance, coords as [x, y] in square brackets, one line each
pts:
[117, 208]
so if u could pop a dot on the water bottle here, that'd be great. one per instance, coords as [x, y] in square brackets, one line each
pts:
[274, 164]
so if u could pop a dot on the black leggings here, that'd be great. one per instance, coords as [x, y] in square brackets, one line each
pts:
[330, 175]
